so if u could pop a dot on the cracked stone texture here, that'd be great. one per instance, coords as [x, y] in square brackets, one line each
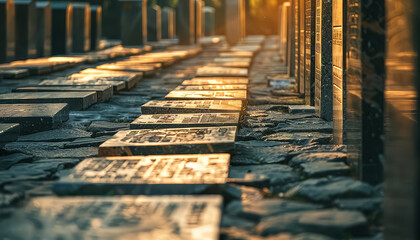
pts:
[317, 157]
[324, 169]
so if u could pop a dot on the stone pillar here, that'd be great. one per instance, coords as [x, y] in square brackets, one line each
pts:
[310, 10]
[365, 88]
[133, 22]
[198, 21]
[154, 24]
[235, 21]
[209, 21]
[167, 23]
[301, 74]
[62, 14]
[81, 27]
[25, 29]
[323, 60]
[43, 29]
[402, 141]
[339, 69]
[95, 26]
[296, 20]
[291, 40]
[185, 22]
[7, 31]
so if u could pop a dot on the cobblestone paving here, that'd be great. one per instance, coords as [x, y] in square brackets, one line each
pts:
[295, 184]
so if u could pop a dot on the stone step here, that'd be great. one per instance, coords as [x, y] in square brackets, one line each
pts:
[148, 71]
[130, 80]
[192, 106]
[9, 132]
[208, 95]
[217, 81]
[221, 72]
[210, 87]
[116, 85]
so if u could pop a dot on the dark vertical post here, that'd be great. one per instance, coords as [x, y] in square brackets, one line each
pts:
[290, 39]
[209, 22]
[7, 31]
[133, 22]
[295, 9]
[302, 46]
[154, 24]
[323, 60]
[95, 26]
[310, 6]
[167, 23]
[62, 14]
[25, 29]
[197, 23]
[235, 21]
[185, 22]
[43, 29]
[81, 27]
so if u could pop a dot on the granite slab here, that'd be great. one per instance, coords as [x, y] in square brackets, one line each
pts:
[9, 132]
[217, 81]
[192, 106]
[170, 141]
[95, 71]
[151, 175]
[13, 73]
[75, 100]
[116, 85]
[221, 72]
[147, 71]
[210, 87]
[208, 95]
[34, 117]
[146, 121]
[130, 80]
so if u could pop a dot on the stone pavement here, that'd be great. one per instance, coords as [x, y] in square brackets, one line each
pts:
[283, 179]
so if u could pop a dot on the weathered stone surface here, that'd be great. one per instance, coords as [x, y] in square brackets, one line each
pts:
[329, 222]
[303, 109]
[57, 135]
[300, 138]
[87, 142]
[216, 81]
[185, 120]
[177, 217]
[147, 71]
[191, 106]
[208, 95]
[7, 161]
[368, 206]
[303, 125]
[282, 84]
[75, 100]
[170, 174]
[324, 169]
[251, 133]
[327, 189]
[260, 152]
[14, 73]
[34, 117]
[9, 132]
[116, 85]
[102, 126]
[8, 199]
[210, 87]
[170, 141]
[261, 100]
[221, 72]
[234, 234]
[317, 157]
[130, 80]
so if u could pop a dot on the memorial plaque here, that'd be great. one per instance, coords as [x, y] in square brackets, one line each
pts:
[9, 132]
[154, 24]
[34, 117]
[211, 87]
[43, 29]
[147, 71]
[116, 85]
[133, 22]
[62, 20]
[235, 21]
[170, 141]
[104, 93]
[126, 217]
[310, 9]
[185, 19]
[130, 80]
[209, 21]
[151, 175]
[221, 72]
[208, 95]
[75, 100]
[339, 68]
[185, 120]
[25, 29]
[81, 27]
[191, 106]
[217, 81]
[7, 31]
[95, 26]
[323, 60]
[167, 23]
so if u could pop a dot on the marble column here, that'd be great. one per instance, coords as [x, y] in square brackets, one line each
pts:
[133, 22]
[235, 21]
[62, 14]
[185, 22]
[154, 24]
[95, 26]
[25, 29]
[43, 29]
[7, 31]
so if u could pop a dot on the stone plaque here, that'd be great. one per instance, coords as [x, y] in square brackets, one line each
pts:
[310, 9]
[323, 60]
[62, 14]
[146, 121]
[81, 27]
[235, 21]
[104, 93]
[7, 31]
[191, 106]
[216, 81]
[170, 141]
[25, 29]
[43, 29]
[154, 24]
[221, 72]
[208, 95]
[94, 71]
[146, 70]
[34, 117]
[117, 85]
[130, 80]
[151, 175]
[95, 26]
[185, 19]
[339, 67]
[210, 87]
[9, 132]
[75, 100]
[126, 217]
[209, 21]
[133, 22]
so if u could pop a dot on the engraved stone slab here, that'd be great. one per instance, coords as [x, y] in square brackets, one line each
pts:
[94, 71]
[191, 106]
[170, 174]
[75, 100]
[146, 121]
[34, 117]
[146, 70]
[9, 132]
[170, 141]
[104, 93]
[211, 87]
[216, 81]
[231, 59]
[221, 72]
[117, 85]
[126, 217]
[237, 54]
[130, 80]
[233, 64]
[208, 95]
